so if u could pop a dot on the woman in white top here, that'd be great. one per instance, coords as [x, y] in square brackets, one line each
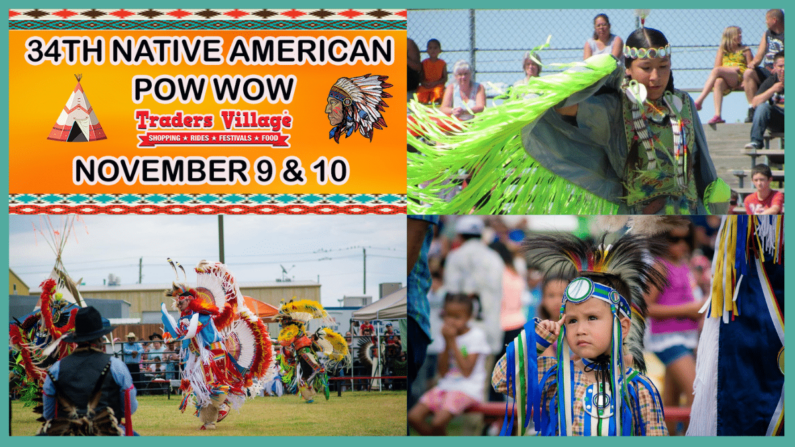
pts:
[603, 41]
[463, 97]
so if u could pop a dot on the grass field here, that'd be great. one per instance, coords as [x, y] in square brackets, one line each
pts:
[357, 413]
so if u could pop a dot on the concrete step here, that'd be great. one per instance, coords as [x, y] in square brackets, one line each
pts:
[774, 156]
[723, 141]
[771, 136]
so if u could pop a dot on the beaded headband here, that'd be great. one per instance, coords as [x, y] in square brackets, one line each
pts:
[647, 53]
[581, 289]
[339, 95]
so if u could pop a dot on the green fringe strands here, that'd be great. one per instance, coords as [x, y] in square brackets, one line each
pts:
[718, 193]
[504, 179]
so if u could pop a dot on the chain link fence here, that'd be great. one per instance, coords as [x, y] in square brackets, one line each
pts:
[494, 41]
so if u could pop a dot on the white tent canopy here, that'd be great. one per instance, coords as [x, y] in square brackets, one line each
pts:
[390, 307]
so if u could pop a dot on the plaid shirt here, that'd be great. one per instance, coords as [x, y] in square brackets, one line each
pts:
[651, 413]
[419, 280]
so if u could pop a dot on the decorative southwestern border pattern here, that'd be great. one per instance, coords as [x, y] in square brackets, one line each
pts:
[193, 25]
[207, 204]
[207, 14]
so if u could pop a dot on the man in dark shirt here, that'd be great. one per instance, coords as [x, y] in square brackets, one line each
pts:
[772, 43]
[769, 104]
[94, 385]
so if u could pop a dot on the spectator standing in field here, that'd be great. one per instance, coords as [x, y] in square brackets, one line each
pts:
[434, 75]
[131, 351]
[772, 43]
[764, 200]
[769, 103]
[673, 319]
[88, 388]
[156, 349]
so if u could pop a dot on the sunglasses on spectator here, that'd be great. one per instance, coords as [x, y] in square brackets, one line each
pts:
[677, 239]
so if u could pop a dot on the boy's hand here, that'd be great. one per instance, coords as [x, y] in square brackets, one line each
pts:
[552, 326]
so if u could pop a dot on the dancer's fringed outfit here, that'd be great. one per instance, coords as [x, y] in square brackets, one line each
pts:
[224, 345]
[554, 391]
[37, 342]
[739, 387]
[302, 371]
[621, 154]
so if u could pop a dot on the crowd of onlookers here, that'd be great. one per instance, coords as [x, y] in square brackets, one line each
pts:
[149, 361]
[152, 361]
[480, 258]
[736, 68]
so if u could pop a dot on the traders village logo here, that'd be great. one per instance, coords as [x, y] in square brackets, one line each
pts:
[357, 104]
[240, 127]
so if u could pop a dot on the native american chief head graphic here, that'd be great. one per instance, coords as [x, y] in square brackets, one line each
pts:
[356, 104]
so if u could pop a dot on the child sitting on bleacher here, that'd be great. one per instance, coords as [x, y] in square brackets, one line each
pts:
[764, 200]
[462, 365]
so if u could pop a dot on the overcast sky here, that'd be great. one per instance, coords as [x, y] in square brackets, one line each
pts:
[255, 247]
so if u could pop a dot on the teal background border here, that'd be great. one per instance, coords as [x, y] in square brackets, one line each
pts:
[355, 4]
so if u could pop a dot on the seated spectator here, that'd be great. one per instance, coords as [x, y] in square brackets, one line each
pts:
[764, 200]
[732, 60]
[462, 366]
[434, 75]
[156, 370]
[772, 43]
[463, 97]
[531, 68]
[603, 41]
[769, 103]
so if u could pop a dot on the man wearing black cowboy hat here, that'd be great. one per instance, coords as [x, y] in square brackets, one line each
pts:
[88, 378]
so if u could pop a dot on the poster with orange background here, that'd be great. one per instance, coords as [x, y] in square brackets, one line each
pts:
[303, 139]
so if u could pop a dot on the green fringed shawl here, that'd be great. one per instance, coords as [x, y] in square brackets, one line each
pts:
[504, 179]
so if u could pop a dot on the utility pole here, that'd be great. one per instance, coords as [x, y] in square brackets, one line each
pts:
[221, 238]
[140, 270]
[364, 277]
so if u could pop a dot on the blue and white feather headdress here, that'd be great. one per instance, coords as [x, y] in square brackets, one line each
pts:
[596, 270]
